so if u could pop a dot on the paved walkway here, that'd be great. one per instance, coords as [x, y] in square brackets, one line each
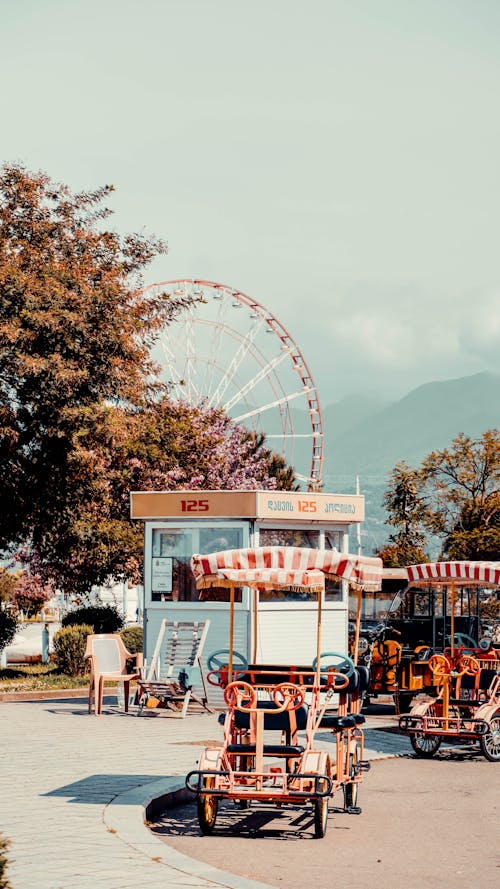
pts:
[74, 788]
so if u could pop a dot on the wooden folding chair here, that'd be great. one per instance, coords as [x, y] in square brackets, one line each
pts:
[174, 669]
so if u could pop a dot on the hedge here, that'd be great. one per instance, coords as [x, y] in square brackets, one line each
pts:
[102, 618]
[69, 646]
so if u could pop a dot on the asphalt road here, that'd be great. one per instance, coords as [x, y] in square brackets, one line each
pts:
[426, 824]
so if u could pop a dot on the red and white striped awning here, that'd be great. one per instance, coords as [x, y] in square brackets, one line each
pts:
[487, 573]
[285, 566]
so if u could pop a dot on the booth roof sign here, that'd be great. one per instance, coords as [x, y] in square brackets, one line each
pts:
[280, 506]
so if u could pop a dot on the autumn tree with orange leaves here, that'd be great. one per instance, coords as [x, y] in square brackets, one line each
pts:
[84, 416]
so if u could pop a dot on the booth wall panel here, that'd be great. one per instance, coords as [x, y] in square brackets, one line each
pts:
[288, 635]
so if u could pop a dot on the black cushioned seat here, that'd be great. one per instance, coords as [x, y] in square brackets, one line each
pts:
[364, 678]
[333, 721]
[353, 684]
[279, 722]
[486, 677]
[269, 749]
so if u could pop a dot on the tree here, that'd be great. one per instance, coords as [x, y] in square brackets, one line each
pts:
[84, 415]
[463, 485]
[407, 511]
[75, 332]
[7, 583]
[30, 593]
[454, 496]
[8, 628]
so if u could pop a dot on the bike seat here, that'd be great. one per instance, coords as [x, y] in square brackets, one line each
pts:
[269, 749]
[336, 722]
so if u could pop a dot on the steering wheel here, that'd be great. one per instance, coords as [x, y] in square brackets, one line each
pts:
[341, 665]
[240, 695]
[439, 665]
[468, 665]
[216, 662]
[288, 694]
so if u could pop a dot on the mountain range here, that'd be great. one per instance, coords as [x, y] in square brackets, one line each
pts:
[365, 436]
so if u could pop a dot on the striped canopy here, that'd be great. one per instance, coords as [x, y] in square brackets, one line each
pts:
[285, 566]
[487, 573]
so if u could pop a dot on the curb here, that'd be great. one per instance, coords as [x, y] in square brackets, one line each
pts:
[47, 695]
[127, 816]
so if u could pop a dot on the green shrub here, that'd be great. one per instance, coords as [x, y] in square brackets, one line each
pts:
[103, 618]
[4, 845]
[8, 627]
[132, 638]
[69, 646]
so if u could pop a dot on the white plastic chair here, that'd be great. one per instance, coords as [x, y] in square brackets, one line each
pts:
[108, 660]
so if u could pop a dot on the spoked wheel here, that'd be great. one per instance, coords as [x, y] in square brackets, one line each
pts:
[490, 743]
[320, 816]
[351, 789]
[206, 806]
[425, 745]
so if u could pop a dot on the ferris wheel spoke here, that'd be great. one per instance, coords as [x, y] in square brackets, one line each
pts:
[191, 387]
[293, 435]
[216, 348]
[270, 406]
[217, 333]
[171, 362]
[236, 362]
[261, 375]
[307, 479]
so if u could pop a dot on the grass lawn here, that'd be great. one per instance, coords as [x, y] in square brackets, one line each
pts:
[38, 677]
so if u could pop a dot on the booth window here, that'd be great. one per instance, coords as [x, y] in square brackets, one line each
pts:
[288, 537]
[281, 595]
[333, 588]
[171, 577]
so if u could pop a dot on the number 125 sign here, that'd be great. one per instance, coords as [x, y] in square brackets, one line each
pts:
[194, 505]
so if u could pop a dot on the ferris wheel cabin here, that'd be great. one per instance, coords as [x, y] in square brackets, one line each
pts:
[182, 523]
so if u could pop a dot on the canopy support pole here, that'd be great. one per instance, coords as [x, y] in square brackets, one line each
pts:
[452, 618]
[255, 623]
[358, 624]
[231, 630]
[318, 638]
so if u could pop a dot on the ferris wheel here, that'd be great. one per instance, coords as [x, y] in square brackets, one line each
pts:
[227, 350]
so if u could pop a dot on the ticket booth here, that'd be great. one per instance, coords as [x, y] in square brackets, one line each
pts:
[181, 523]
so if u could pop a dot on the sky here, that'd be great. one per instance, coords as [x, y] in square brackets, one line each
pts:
[338, 160]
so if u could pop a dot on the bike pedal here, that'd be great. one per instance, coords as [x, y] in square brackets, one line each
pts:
[354, 810]
[364, 765]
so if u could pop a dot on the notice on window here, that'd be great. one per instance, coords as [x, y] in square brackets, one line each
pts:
[162, 574]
